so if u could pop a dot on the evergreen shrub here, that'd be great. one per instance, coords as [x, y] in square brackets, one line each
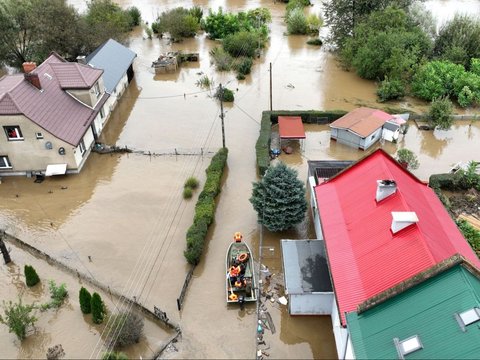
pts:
[31, 276]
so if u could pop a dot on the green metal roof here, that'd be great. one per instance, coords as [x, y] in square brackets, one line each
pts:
[427, 310]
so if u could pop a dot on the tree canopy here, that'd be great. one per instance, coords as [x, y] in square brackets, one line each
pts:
[385, 44]
[342, 16]
[457, 40]
[279, 198]
[31, 29]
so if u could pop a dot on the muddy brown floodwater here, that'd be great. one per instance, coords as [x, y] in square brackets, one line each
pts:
[127, 212]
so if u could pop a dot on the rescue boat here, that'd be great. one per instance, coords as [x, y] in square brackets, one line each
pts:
[240, 275]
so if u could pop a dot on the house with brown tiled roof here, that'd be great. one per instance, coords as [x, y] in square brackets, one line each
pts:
[51, 116]
[360, 128]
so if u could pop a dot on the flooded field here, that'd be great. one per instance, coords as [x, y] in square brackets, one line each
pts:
[127, 212]
[56, 326]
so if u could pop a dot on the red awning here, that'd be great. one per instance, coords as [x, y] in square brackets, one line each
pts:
[291, 127]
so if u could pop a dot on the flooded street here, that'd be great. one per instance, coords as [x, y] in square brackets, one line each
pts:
[126, 211]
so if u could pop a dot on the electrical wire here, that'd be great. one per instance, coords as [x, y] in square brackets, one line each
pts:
[152, 265]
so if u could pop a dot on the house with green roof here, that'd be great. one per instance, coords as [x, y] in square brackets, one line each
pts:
[432, 315]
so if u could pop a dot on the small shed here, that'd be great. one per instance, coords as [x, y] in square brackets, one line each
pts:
[360, 128]
[307, 278]
[392, 127]
[291, 127]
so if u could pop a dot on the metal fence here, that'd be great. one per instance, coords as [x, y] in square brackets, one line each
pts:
[184, 288]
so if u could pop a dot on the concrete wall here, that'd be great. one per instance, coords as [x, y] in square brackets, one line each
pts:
[339, 332]
[31, 154]
[310, 304]
[314, 207]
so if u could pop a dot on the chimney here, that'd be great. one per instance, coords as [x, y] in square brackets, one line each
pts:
[29, 67]
[402, 219]
[385, 188]
[33, 79]
[82, 60]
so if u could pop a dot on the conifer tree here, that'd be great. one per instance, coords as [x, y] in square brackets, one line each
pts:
[279, 198]
[31, 277]
[85, 301]
[98, 308]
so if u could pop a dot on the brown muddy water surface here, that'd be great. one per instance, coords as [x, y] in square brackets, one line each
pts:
[126, 211]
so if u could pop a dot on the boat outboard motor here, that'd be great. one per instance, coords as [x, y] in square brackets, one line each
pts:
[241, 301]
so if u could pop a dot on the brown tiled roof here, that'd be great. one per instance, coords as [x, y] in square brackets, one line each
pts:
[362, 121]
[51, 108]
[75, 75]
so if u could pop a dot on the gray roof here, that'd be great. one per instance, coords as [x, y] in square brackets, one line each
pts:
[391, 126]
[325, 169]
[52, 108]
[305, 266]
[114, 59]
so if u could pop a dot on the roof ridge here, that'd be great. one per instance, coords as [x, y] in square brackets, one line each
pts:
[78, 67]
[359, 161]
[419, 278]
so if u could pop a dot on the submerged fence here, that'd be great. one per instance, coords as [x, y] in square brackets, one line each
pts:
[184, 288]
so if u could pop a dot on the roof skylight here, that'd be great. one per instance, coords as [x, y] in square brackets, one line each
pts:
[407, 346]
[468, 317]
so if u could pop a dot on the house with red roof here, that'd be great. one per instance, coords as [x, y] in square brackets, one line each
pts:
[381, 225]
[51, 116]
[362, 127]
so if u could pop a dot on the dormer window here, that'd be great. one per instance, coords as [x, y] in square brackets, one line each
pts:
[13, 133]
[407, 346]
[468, 317]
[39, 135]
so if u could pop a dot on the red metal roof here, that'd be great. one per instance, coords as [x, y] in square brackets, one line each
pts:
[365, 257]
[52, 108]
[362, 121]
[291, 127]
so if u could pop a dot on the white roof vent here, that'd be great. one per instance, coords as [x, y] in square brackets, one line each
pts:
[385, 188]
[402, 219]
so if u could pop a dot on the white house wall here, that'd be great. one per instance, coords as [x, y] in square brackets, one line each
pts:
[88, 140]
[100, 121]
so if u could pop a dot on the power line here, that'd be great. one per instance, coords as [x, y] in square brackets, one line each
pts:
[149, 263]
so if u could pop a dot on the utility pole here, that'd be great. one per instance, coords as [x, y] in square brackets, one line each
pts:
[222, 115]
[271, 87]
[3, 248]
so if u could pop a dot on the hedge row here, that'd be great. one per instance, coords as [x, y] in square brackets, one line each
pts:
[262, 146]
[451, 182]
[205, 208]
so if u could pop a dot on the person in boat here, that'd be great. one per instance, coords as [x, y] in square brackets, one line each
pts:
[242, 269]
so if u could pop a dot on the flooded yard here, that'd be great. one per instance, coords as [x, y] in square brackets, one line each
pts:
[127, 213]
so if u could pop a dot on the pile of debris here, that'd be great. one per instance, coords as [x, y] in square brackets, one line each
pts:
[169, 62]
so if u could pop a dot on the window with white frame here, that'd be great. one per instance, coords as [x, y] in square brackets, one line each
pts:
[13, 133]
[82, 148]
[39, 135]
[4, 162]
[102, 113]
